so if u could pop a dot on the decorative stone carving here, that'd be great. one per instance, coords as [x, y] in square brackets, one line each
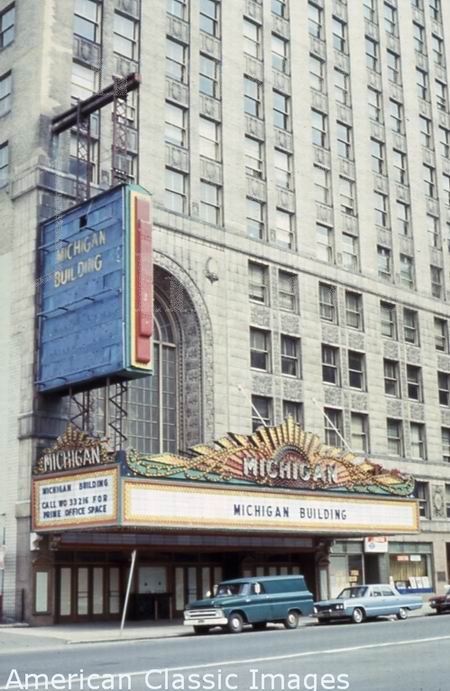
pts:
[176, 157]
[391, 350]
[253, 9]
[416, 412]
[394, 408]
[280, 26]
[210, 170]
[355, 340]
[262, 384]
[292, 389]
[384, 237]
[438, 501]
[359, 401]
[286, 200]
[254, 127]
[283, 139]
[319, 101]
[209, 45]
[256, 188]
[281, 81]
[209, 106]
[177, 92]
[254, 68]
[333, 396]
[444, 362]
[318, 47]
[322, 156]
[178, 29]
[330, 333]
[260, 315]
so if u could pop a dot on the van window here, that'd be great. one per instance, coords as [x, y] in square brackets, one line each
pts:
[257, 589]
[232, 589]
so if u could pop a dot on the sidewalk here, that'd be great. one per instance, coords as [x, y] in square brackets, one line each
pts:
[110, 631]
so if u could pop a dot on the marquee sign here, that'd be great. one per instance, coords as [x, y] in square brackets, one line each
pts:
[73, 501]
[96, 291]
[73, 450]
[279, 457]
[159, 505]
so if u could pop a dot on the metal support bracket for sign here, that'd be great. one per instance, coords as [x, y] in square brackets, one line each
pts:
[83, 163]
[119, 172]
[116, 413]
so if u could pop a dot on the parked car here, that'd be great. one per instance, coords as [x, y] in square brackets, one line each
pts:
[255, 601]
[441, 603]
[361, 602]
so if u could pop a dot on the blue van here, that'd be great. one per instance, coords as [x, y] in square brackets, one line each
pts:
[254, 601]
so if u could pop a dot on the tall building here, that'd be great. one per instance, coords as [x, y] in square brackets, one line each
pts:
[298, 157]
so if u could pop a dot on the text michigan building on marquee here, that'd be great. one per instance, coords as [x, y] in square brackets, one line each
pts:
[270, 502]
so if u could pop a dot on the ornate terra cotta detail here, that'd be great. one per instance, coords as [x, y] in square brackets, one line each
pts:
[279, 457]
[73, 450]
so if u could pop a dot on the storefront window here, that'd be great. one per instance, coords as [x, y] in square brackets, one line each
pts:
[410, 566]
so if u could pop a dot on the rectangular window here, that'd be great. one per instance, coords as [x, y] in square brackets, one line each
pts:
[252, 97]
[175, 194]
[381, 209]
[315, 20]
[325, 243]
[429, 178]
[419, 37]
[290, 356]
[319, 128]
[372, 54]
[437, 45]
[327, 302]
[360, 437]
[391, 378]
[124, 40]
[425, 131]
[388, 319]
[436, 281]
[254, 157]
[347, 196]
[414, 382]
[4, 164]
[209, 138]
[393, 66]
[444, 141]
[178, 8]
[444, 388]
[333, 426]
[350, 252]
[344, 140]
[281, 107]
[441, 334]
[284, 228]
[434, 237]
[330, 365]
[403, 217]
[422, 83]
[339, 34]
[283, 169]
[375, 105]
[317, 73]
[294, 410]
[421, 493]
[446, 187]
[322, 185]
[7, 26]
[445, 436]
[5, 93]
[441, 95]
[396, 116]
[417, 433]
[209, 17]
[87, 15]
[341, 87]
[390, 19]
[287, 291]
[394, 437]
[175, 125]
[210, 202]
[411, 326]
[209, 77]
[280, 48]
[260, 349]
[261, 412]
[279, 8]
[255, 219]
[406, 271]
[378, 156]
[370, 10]
[252, 38]
[84, 81]
[384, 262]
[356, 370]
[176, 60]
[400, 167]
[354, 310]
[258, 283]
[435, 10]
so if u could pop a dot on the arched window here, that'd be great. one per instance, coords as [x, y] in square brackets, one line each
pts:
[152, 401]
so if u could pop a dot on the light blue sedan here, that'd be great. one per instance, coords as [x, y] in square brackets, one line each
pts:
[361, 602]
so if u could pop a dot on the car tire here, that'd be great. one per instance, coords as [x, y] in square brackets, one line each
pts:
[402, 613]
[201, 630]
[357, 615]
[260, 626]
[292, 619]
[235, 623]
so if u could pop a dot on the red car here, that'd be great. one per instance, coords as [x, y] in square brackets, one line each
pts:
[441, 603]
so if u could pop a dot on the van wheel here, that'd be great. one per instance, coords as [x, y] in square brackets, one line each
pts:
[402, 613]
[260, 626]
[357, 615]
[201, 630]
[292, 619]
[235, 623]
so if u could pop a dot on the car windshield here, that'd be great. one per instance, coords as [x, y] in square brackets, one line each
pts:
[348, 593]
[231, 589]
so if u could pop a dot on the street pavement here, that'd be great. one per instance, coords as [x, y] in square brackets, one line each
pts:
[384, 655]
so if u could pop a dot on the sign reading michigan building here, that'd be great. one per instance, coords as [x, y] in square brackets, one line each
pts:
[281, 457]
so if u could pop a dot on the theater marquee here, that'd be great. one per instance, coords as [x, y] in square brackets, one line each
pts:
[161, 506]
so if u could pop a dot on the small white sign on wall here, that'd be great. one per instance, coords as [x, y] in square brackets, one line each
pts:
[152, 579]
